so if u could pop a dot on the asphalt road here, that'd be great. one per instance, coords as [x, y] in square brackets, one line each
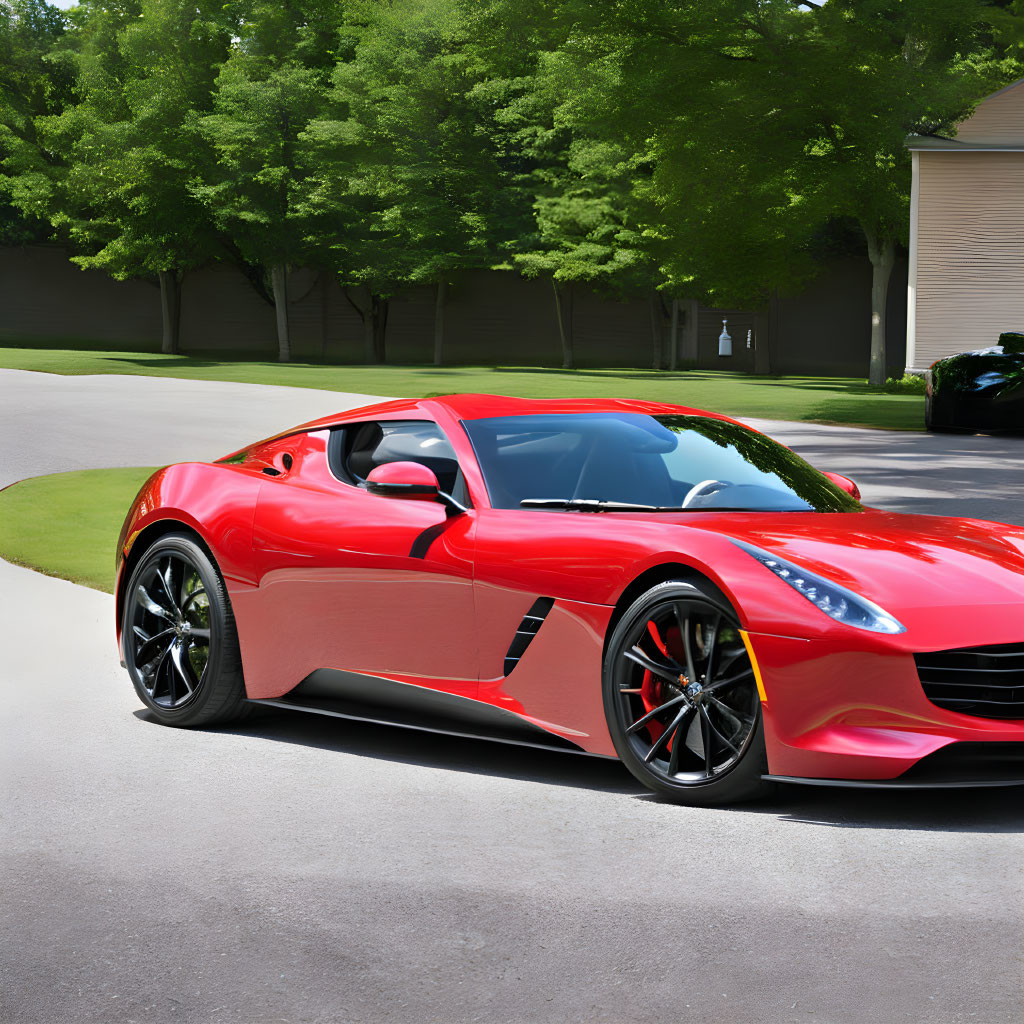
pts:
[295, 869]
[49, 424]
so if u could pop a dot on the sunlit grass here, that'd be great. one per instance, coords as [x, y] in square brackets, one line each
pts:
[813, 399]
[67, 524]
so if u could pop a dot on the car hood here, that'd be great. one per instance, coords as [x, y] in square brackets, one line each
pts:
[948, 577]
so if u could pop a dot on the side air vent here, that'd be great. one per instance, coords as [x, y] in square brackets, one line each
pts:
[527, 630]
[987, 682]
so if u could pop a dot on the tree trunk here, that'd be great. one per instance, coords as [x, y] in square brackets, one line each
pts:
[324, 284]
[570, 322]
[691, 325]
[765, 328]
[882, 253]
[564, 336]
[673, 338]
[366, 315]
[442, 287]
[279, 283]
[170, 312]
[379, 315]
[657, 338]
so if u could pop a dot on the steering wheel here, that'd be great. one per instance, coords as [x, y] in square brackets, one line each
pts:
[701, 489]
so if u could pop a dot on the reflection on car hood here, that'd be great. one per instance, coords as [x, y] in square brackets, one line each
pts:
[894, 559]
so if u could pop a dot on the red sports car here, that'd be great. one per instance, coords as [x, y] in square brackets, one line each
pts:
[617, 578]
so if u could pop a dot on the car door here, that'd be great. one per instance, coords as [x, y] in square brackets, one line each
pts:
[375, 587]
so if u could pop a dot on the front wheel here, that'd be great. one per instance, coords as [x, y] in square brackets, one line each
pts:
[681, 698]
[179, 638]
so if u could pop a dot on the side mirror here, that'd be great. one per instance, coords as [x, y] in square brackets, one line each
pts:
[846, 484]
[403, 480]
[409, 480]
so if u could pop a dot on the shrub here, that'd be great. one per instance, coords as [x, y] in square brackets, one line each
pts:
[908, 384]
[1012, 341]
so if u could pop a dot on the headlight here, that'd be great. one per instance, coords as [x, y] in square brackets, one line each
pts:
[841, 604]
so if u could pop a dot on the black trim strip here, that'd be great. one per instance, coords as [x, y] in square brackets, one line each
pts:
[892, 783]
[386, 488]
[421, 545]
[325, 708]
[383, 701]
[528, 629]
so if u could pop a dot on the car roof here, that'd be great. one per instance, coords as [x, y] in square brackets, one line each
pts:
[480, 406]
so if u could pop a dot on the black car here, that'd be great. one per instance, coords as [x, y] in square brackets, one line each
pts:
[978, 390]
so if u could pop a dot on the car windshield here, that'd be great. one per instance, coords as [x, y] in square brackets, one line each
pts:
[693, 463]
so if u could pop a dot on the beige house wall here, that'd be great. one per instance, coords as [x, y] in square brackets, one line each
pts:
[998, 120]
[968, 251]
[966, 281]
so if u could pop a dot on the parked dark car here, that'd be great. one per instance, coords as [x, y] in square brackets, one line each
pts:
[978, 390]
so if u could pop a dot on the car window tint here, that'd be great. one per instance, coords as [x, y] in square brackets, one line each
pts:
[646, 460]
[368, 445]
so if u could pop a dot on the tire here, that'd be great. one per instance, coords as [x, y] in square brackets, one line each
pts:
[180, 643]
[675, 737]
[940, 428]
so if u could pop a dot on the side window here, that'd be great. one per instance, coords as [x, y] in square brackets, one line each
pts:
[358, 449]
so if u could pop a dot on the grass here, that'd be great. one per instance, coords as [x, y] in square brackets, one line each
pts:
[67, 524]
[839, 400]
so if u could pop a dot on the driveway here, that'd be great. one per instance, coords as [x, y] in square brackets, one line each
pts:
[51, 423]
[295, 869]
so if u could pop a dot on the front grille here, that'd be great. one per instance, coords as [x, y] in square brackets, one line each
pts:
[984, 681]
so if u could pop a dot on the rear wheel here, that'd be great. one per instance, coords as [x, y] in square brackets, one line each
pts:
[180, 643]
[681, 698]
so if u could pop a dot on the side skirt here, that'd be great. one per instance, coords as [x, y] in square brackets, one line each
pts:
[381, 701]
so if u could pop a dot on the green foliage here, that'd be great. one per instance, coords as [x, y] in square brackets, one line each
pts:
[30, 87]
[129, 146]
[699, 149]
[908, 384]
[267, 91]
[402, 185]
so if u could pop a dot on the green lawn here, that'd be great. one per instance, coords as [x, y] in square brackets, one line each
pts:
[814, 399]
[67, 524]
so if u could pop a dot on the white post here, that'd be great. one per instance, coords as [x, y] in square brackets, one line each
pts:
[725, 340]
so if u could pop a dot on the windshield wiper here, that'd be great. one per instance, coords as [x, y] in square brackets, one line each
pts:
[599, 505]
[594, 505]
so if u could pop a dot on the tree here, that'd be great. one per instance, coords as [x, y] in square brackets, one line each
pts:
[751, 156]
[122, 151]
[588, 229]
[872, 73]
[268, 90]
[30, 86]
[403, 181]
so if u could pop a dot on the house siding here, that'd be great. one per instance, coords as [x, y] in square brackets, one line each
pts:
[999, 120]
[969, 250]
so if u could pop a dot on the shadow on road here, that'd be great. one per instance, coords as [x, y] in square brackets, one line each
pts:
[993, 810]
[433, 750]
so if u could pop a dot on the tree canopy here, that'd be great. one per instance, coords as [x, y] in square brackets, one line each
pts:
[657, 148]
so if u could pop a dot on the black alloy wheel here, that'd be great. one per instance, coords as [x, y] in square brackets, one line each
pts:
[179, 638]
[681, 698]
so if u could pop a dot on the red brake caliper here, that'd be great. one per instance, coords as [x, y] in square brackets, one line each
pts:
[651, 689]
